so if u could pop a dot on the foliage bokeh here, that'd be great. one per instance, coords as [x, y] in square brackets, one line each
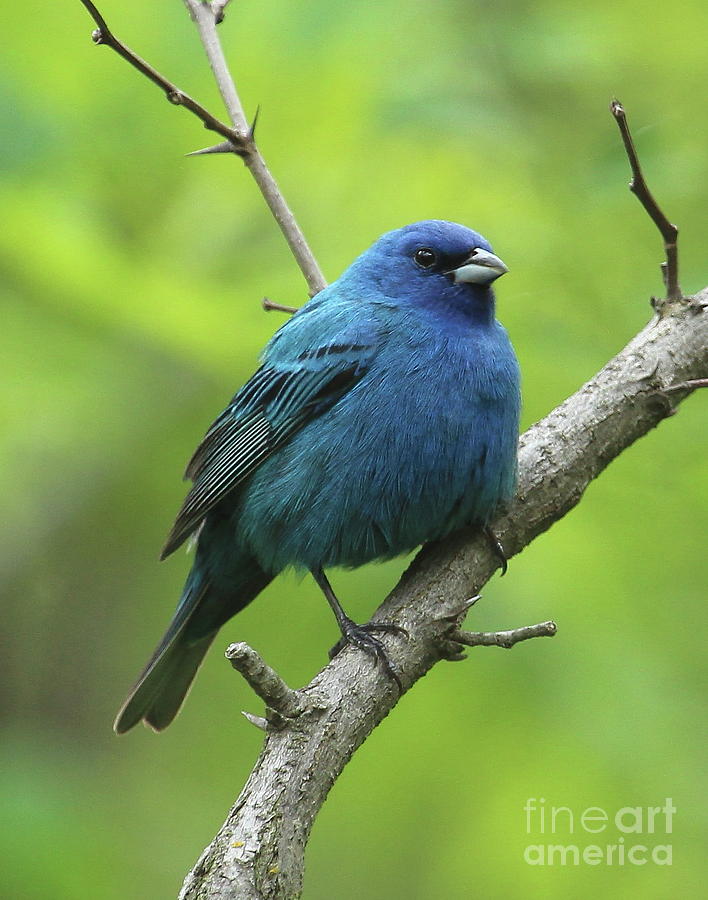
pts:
[130, 308]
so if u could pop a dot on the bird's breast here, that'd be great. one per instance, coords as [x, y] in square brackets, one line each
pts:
[424, 443]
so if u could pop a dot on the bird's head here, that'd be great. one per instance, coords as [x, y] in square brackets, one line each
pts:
[432, 262]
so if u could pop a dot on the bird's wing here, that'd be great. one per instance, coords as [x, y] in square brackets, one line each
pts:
[275, 403]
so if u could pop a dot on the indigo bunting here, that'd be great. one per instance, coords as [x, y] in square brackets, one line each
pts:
[384, 415]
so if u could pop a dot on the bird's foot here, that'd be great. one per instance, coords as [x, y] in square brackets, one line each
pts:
[361, 636]
[497, 548]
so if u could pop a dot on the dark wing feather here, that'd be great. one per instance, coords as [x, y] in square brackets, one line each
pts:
[268, 410]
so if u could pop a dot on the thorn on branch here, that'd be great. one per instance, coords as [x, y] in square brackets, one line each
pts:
[458, 614]
[265, 681]
[252, 129]
[258, 721]
[223, 147]
[497, 549]
[505, 639]
[273, 721]
[640, 189]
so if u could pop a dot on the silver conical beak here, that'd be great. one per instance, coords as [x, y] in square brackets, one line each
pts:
[482, 267]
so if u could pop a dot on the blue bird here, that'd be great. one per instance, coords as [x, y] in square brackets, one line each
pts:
[384, 415]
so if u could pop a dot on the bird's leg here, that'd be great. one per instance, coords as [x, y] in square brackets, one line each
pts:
[358, 635]
[497, 548]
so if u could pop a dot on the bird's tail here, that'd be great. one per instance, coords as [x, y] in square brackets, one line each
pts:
[161, 689]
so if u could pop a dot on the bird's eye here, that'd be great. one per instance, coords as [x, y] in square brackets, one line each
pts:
[425, 258]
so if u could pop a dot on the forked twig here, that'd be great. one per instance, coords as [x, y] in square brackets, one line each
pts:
[640, 189]
[240, 136]
[104, 35]
[206, 17]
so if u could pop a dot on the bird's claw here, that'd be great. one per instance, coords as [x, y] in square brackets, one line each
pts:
[497, 548]
[361, 636]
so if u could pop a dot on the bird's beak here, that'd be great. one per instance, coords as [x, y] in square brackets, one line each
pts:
[481, 267]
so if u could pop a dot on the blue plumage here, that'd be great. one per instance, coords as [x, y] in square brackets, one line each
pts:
[385, 414]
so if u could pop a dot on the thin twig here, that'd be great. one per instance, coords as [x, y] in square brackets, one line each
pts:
[240, 136]
[265, 681]
[640, 189]
[503, 638]
[205, 18]
[686, 385]
[269, 305]
[104, 35]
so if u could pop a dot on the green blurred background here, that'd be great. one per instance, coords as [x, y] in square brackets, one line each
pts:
[131, 281]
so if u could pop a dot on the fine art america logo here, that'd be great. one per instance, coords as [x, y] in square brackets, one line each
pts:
[629, 835]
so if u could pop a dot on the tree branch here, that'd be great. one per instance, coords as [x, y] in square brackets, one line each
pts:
[265, 681]
[240, 137]
[506, 639]
[269, 305]
[259, 851]
[312, 733]
[206, 18]
[103, 35]
[640, 189]
[687, 385]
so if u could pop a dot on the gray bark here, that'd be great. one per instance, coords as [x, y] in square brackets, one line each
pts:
[259, 851]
